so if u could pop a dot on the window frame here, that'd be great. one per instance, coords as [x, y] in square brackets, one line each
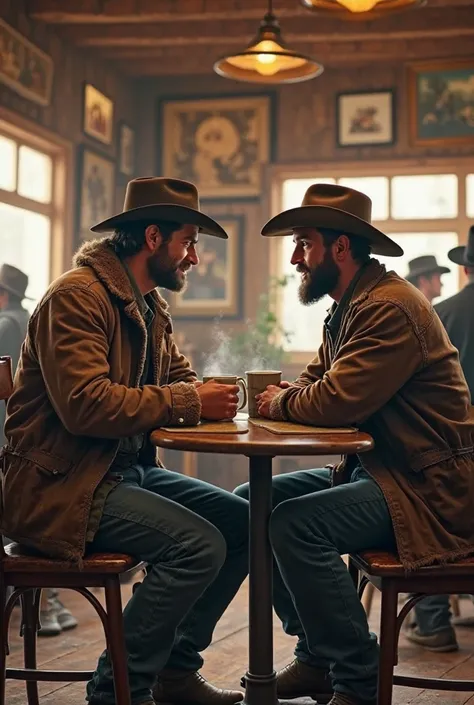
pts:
[59, 210]
[460, 166]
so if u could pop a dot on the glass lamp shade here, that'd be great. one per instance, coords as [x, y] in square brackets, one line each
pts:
[361, 9]
[268, 60]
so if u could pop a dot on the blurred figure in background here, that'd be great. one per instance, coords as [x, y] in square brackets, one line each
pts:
[425, 273]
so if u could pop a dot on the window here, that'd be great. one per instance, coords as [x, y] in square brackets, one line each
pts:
[420, 208]
[30, 207]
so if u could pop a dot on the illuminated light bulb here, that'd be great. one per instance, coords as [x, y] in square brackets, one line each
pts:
[359, 5]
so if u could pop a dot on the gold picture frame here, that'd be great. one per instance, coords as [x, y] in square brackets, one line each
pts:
[221, 143]
[214, 286]
[23, 67]
[441, 102]
[98, 116]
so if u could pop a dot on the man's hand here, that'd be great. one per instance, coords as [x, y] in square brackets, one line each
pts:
[198, 384]
[218, 401]
[285, 385]
[265, 398]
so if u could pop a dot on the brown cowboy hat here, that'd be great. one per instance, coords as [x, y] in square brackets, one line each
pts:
[338, 208]
[161, 198]
[14, 281]
[423, 266]
[464, 254]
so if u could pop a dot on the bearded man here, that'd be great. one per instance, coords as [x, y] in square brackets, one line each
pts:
[99, 370]
[386, 366]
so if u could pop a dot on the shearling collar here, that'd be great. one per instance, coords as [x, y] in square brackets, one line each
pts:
[100, 256]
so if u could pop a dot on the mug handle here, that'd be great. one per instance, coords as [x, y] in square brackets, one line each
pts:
[243, 386]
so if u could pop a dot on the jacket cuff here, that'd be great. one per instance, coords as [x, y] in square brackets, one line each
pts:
[185, 404]
[277, 407]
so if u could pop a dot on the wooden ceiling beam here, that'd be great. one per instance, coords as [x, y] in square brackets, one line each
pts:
[166, 61]
[432, 23]
[145, 11]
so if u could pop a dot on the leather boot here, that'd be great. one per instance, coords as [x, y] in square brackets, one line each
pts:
[184, 688]
[298, 680]
[343, 699]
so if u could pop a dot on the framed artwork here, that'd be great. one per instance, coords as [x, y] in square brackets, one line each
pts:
[96, 190]
[441, 102]
[365, 119]
[215, 284]
[98, 118]
[219, 143]
[126, 150]
[23, 67]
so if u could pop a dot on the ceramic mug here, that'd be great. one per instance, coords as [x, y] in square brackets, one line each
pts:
[231, 379]
[257, 382]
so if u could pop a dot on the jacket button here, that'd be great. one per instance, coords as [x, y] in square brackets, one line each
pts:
[181, 420]
[55, 472]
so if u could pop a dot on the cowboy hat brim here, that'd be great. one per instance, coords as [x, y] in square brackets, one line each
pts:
[13, 291]
[458, 256]
[163, 211]
[335, 219]
[426, 272]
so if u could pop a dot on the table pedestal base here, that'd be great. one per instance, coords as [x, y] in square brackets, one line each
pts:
[260, 679]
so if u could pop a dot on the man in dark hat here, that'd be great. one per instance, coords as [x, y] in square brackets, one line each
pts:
[387, 367]
[13, 319]
[433, 628]
[425, 273]
[100, 369]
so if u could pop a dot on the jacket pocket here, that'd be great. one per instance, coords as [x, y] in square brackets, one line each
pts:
[422, 461]
[50, 464]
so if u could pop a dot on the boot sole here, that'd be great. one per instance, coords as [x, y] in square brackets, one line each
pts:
[448, 648]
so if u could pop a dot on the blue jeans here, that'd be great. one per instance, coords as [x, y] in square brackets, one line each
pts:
[311, 526]
[194, 536]
[433, 614]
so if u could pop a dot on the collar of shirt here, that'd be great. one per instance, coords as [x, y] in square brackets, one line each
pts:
[333, 321]
[147, 313]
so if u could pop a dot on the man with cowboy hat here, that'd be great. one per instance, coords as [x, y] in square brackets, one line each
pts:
[99, 371]
[425, 273]
[433, 628]
[387, 367]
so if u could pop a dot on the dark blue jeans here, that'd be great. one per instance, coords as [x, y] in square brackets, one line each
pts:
[433, 614]
[311, 526]
[194, 536]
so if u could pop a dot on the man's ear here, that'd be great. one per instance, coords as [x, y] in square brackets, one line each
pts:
[153, 237]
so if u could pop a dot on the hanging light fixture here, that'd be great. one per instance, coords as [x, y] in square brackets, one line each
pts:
[361, 9]
[267, 59]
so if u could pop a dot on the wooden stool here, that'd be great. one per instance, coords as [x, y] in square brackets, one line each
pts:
[27, 574]
[385, 572]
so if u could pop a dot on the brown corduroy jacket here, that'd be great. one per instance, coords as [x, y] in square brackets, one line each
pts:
[393, 372]
[76, 395]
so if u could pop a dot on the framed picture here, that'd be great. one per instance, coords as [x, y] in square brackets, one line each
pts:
[365, 119]
[215, 284]
[23, 67]
[98, 115]
[441, 102]
[220, 144]
[126, 150]
[96, 190]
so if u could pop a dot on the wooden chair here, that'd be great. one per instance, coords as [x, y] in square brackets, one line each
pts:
[27, 574]
[385, 572]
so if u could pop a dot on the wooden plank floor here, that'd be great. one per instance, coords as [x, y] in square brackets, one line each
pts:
[227, 657]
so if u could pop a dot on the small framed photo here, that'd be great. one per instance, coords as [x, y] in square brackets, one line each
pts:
[441, 99]
[126, 150]
[98, 119]
[215, 285]
[96, 189]
[365, 119]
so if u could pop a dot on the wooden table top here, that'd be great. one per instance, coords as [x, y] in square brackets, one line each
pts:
[259, 441]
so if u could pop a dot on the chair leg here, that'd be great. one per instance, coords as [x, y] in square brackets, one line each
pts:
[454, 601]
[367, 599]
[353, 572]
[116, 641]
[388, 644]
[30, 625]
[3, 639]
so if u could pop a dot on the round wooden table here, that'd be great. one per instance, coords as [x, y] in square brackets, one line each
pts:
[261, 446]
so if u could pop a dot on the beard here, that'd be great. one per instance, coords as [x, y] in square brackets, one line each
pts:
[319, 281]
[164, 272]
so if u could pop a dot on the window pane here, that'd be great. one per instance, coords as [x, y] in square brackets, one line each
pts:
[470, 195]
[294, 190]
[417, 244]
[429, 196]
[35, 175]
[7, 164]
[376, 188]
[25, 236]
